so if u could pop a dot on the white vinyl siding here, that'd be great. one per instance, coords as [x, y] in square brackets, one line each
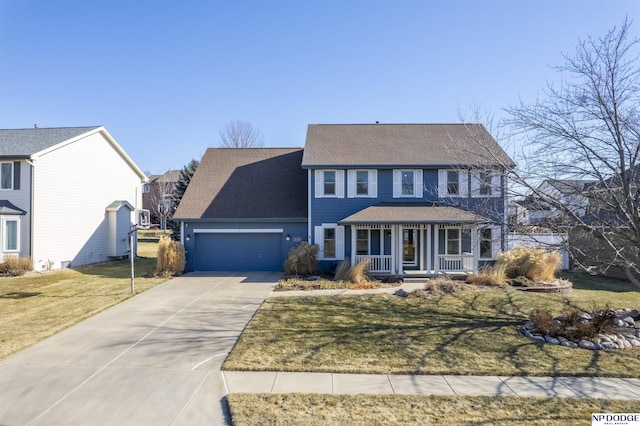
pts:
[338, 188]
[485, 184]
[74, 228]
[414, 191]
[444, 187]
[334, 252]
[371, 183]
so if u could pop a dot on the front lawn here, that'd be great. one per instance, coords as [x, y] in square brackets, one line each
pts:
[36, 306]
[317, 409]
[471, 332]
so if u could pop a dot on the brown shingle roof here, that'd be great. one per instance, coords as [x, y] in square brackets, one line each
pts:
[343, 145]
[412, 213]
[247, 183]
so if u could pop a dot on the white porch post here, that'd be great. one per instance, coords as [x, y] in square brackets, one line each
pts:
[399, 250]
[429, 250]
[436, 248]
[393, 249]
[353, 245]
[475, 247]
[422, 243]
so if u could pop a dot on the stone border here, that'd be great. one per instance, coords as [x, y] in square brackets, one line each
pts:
[554, 289]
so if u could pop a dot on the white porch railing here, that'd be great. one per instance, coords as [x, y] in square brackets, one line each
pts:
[463, 262]
[380, 263]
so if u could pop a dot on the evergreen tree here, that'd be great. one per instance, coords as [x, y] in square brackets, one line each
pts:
[181, 186]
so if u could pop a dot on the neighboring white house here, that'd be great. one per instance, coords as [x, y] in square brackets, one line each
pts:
[572, 194]
[68, 196]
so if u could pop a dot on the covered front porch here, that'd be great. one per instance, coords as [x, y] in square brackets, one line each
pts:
[415, 240]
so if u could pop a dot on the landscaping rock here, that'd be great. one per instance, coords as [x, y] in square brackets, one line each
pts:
[551, 339]
[539, 339]
[400, 292]
[586, 344]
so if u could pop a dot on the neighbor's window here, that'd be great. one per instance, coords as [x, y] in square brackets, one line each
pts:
[485, 183]
[362, 182]
[486, 248]
[407, 183]
[10, 240]
[145, 188]
[329, 243]
[362, 241]
[6, 176]
[329, 182]
[453, 182]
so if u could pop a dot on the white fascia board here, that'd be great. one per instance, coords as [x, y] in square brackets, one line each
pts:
[240, 231]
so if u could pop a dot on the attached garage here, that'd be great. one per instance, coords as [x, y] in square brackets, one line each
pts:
[239, 250]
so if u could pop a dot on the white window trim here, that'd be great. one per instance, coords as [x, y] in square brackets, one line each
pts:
[319, 183]
[4, 234]
[495, 185]
[11, 175]
[352, 183]
[319, 240]
[417, 183]
[368, 231]
[446, 241]
[463, 183]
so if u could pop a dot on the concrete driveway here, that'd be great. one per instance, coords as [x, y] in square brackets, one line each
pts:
[152, 360]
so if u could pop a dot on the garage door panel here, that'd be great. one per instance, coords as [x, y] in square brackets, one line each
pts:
[238, 252]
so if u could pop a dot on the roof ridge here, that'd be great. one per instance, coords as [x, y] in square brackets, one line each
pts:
[57, 128]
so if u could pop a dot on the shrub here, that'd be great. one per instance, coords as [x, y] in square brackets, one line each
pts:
[171, 258]
[536, 264]
[302, 260]
[543, 322]
[573, 324]
[357, 274]
[489, 275]
[15, 266]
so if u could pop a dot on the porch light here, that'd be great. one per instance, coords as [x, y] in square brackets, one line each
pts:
[288, 237]
[188, 237]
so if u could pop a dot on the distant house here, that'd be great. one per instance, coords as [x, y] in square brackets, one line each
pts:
[542, 205]
[68, 196]
[409, 198]
[157, 196]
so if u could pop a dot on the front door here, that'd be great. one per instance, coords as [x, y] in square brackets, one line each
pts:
[409, 244]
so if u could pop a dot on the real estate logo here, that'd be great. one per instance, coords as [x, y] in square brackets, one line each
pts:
[615, 419]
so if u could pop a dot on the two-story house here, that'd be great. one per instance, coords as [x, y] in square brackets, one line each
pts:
[157, 196]
[421, 198]
[68, 196]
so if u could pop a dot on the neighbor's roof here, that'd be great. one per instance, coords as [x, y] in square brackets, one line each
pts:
[22, 143]
[406, 213]
[170, 176]
[246, 183]
[344, 145]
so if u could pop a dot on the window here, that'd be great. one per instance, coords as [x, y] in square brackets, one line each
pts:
[145, 188]
[453, 182]
[329, 243]
[362, 182]
[329, 183]
[362, 242]
[486, 243]
[453, 241]
[485, 184]
[10, 235]
[6, 175]
[407, 183]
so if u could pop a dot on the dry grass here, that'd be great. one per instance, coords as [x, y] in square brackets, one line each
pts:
[171, 257]
[467, 332]
[302, 260]
[319, 409]
[494, 275]
[358, 274]
[16, 266]
[536, 264]
[36, 306]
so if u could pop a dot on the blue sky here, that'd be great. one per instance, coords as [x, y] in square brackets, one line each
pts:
[165, 76]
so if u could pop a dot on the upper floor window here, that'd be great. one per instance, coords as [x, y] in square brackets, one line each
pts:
[362, 183]
[485, 184]
[329, 183]
[452, 183]
[407, 183]
[6, 175]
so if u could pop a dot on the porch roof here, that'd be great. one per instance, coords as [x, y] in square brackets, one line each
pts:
[404, 213]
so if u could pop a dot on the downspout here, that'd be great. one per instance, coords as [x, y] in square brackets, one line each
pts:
[309, 207]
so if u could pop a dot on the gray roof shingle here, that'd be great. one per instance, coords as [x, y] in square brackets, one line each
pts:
[408, 213]
[247, 183]
[22, 143]
[391, 145]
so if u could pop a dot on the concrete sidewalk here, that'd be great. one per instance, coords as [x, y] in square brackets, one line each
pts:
[334, 383]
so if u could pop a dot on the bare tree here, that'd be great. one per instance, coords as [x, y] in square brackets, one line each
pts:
[240, 134]
[585, 132]
[161, 192]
